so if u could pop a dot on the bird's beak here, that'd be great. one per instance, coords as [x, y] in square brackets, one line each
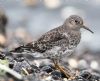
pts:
[87, 29]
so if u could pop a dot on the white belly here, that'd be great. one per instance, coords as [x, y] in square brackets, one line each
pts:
[57, 52]
[52, 52]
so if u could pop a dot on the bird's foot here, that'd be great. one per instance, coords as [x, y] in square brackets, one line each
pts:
[67, 72]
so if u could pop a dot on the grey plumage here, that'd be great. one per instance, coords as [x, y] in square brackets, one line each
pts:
[63, 38]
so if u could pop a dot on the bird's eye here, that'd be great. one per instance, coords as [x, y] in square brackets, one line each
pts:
[77, 22]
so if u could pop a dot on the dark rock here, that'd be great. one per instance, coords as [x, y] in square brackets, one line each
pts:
[47, 68]
[30, 70]
[85, 74]
[95, 78]
[11, 65]
[79, 78]
[35, 68]
[56, 75]
[2, 56]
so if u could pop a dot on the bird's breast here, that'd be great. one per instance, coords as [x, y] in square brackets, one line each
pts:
[74, 40]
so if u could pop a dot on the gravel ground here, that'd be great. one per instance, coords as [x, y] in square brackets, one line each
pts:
[38, 70]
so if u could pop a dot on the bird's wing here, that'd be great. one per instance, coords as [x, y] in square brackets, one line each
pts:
[51, 36]
[21, 48]
[50, 39]
[45, 41]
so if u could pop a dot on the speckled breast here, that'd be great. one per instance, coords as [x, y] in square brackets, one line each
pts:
[74, 39]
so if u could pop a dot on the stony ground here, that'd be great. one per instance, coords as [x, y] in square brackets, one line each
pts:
[31, 69]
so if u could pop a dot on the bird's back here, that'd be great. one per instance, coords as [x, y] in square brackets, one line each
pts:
[49, 40]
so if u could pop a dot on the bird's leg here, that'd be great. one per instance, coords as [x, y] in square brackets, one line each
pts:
[62, 69]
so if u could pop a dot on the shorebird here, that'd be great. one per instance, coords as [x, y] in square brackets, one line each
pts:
[59, 41]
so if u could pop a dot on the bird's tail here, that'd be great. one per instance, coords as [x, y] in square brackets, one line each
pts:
[25, 51]
[24, 48]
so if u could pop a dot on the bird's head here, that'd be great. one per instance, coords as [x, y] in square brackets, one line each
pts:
[75, 22]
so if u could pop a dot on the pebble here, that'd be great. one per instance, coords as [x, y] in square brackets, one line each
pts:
[56, 75]
[47, 68]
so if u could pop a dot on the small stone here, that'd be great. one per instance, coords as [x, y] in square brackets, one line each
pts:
[95, 78]
[19, 59]
[85, 75]
[35, 68]
[11, 65]
[30, 70]
[47, 68]
[2, 56]
[65, 79]
[56, 75]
